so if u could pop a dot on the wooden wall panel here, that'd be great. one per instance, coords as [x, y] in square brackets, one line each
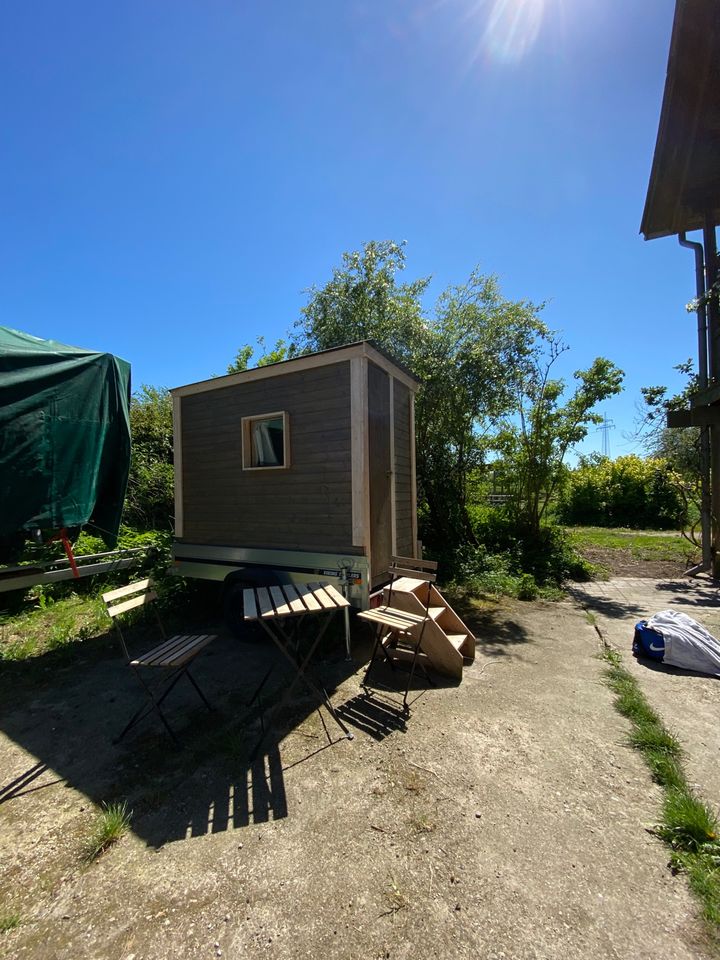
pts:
[403, 472]
[306, 506]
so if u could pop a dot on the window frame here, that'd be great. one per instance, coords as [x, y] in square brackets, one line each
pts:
[247, 444]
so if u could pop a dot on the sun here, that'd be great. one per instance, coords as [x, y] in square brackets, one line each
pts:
[511, 29]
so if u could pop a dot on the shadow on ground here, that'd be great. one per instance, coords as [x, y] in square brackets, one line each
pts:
[496, 630]
[64, 708]
[691, 593]
[658, 666]
[612, 607]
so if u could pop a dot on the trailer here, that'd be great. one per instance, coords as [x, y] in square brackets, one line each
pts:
[297, 471]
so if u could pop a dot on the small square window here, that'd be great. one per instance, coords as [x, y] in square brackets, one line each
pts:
[265, 442]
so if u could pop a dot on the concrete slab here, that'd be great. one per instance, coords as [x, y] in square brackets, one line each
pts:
[688, 703]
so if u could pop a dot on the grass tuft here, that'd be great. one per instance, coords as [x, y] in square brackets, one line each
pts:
[395, 898]
[688, 825]
[111, 824]
[8, 921]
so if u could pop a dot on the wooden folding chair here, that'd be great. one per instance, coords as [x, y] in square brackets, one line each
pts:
[399, 633]
[172, 656]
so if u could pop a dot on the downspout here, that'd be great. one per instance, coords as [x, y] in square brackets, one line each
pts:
[705, 504]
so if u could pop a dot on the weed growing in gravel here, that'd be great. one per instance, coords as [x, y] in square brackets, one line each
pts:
[688, 825]
[8, 921]
[423, 824]
[395, 897]
[111, 824]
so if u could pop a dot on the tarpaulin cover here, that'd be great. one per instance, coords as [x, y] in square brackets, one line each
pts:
[687, 643]
[64, 437]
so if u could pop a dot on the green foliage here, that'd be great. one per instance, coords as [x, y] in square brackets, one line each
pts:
[630, 491]
[8, 921]
[514, 562]
[688, 824]
[640, 545]
[111, 824]
[150, 503]
[462, 354]
[245, 358]
[543, 426]
[364, 301]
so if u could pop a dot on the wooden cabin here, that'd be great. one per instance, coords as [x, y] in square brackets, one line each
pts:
[304, 467]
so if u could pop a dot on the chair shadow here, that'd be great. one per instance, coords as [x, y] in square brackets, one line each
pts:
[65, 707]
[373, 716]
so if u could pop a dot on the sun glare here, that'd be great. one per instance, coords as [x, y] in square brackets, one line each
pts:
[511, 29]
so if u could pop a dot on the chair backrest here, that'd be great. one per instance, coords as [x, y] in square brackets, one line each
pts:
[415, 569]
[127, 598]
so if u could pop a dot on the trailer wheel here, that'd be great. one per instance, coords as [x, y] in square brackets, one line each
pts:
[233, 612]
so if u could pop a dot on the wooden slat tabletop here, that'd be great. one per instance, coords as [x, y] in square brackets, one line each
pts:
[291, 600]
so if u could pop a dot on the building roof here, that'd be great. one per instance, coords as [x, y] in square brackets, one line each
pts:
[685, 178]
[306, 361]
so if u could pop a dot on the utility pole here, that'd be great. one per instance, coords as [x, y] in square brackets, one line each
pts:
[607, 426]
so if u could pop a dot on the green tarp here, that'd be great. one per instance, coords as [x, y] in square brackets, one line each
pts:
[64, 438]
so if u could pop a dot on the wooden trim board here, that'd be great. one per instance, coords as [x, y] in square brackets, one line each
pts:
[413, 476]
[308, 362]
[177, 464]
[393, 506]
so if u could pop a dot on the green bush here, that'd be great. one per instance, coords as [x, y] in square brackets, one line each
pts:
[512, 561]
[630, 491]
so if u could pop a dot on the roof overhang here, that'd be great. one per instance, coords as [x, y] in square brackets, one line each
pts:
[685, 179]
[307, 361]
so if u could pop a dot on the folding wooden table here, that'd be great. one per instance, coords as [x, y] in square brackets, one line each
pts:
[281, 611]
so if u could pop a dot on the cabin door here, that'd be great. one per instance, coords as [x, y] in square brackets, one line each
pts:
[379, 424]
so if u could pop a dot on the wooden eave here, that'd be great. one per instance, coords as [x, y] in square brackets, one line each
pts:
[685, 178]
[362, 348]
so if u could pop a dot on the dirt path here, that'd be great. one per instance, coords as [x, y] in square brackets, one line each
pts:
[506, 821]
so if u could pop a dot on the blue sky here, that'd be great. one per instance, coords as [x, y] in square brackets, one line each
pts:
[175, 174]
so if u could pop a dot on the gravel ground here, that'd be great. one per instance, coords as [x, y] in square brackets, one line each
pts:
[504, 820]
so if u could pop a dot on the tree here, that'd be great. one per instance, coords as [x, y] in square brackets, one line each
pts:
[149, 504]
[244, 356]
[537, 438]
[473, 344]
[364, 301]
[462, 355]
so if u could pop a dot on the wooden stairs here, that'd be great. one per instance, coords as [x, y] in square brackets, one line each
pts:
[446, 641]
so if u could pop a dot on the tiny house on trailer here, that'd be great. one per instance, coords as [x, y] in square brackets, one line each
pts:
[297, 471]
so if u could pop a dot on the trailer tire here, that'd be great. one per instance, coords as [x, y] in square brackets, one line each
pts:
[233, 612]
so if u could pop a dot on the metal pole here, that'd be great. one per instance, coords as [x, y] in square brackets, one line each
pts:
[345, 581]
[713, 323]
[702, 334]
